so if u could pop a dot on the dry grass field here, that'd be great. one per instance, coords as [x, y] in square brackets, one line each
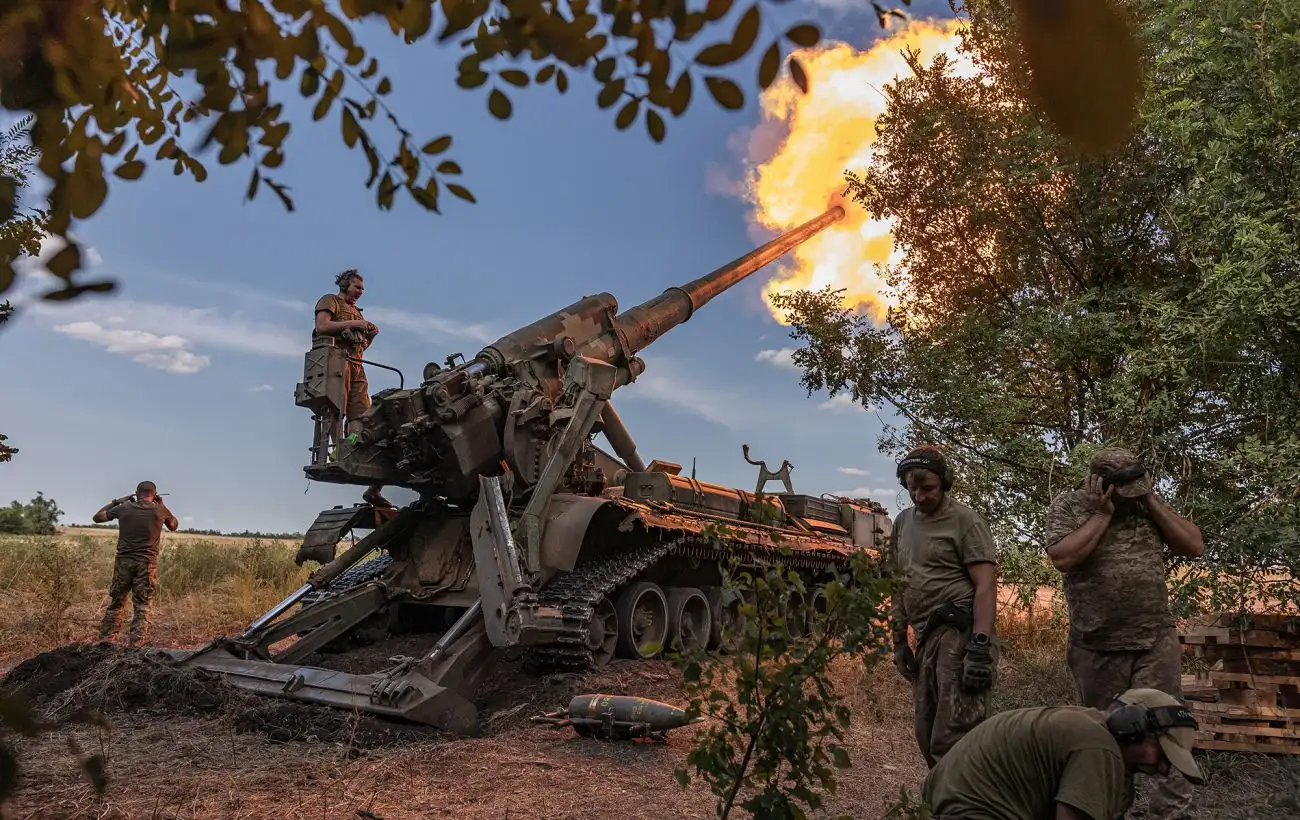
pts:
[179, 748]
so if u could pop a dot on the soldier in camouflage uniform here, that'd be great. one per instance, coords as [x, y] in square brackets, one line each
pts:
[140, 518]
[944, 556]
[1063, 762]
[337, 315]
[1107, 537]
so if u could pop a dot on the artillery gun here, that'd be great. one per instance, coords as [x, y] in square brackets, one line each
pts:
[526, 535]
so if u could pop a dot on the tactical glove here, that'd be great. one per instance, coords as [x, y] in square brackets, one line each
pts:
[905, 661]
[977, 668]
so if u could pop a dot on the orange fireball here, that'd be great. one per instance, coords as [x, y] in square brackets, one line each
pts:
[828, 131]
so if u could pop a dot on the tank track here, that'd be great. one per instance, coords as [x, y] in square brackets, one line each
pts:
[354, 576]
[576, 595]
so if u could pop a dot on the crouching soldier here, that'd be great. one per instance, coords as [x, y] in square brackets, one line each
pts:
[945, 561]
[1063, 762]
[140, 518]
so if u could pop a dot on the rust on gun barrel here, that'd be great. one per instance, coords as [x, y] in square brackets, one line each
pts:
[640, 326]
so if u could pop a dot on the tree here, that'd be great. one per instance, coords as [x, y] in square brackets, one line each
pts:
[37, 517]
[1051, 302]
[94, 71]
[20, 233]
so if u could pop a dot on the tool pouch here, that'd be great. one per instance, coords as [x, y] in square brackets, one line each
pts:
[946, 614]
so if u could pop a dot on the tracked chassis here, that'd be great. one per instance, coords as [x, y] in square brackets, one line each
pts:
[526, 536]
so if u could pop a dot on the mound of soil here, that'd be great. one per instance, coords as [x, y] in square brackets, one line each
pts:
[112, 680]
[116, 680]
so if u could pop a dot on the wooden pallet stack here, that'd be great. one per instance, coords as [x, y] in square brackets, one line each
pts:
[1248, 699]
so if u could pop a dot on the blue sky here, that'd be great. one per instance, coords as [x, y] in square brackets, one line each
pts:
[185, 375]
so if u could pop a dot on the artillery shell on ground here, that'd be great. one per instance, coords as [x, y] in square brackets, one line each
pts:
[618, 717]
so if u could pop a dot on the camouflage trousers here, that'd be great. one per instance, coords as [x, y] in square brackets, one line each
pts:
[1101, 676]
[137, 576]
[944, 710]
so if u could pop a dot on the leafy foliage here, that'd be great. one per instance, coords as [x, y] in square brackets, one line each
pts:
[36, 517]
[778, 719]
[20, 231]
[98, 77]
[98, 74]
[1051, 302]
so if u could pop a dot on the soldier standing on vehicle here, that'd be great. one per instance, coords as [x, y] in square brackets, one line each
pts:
[338, 316]
[947, 565]
[140, 519]
[1106, 536]
[1063, 762]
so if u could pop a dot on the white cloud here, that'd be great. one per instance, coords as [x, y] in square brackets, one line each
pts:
[51, 245]
[883, 495]
[855, 471]
[170, 353]
[261, 388]
[842, 403]
[424, 324]
[420, 324]
[665, 383]
[783, 357]
[203, 328]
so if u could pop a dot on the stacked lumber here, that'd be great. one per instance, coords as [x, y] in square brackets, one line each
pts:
[1247, 699]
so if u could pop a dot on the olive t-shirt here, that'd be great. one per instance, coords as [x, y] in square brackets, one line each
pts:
[139, 528]
[340, 311]
[1117, 598]
[1017, 765]
[932, 553]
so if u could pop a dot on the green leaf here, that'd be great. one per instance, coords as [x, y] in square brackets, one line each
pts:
[746, 30]
[515, 77]
[95, 768]
[461, 192]
[797, 74]
[437, 146]
[67, 260]
[252, 185]
[655, 125]
[385, 85]
[448, 167]
[132, 169]
[769, 66]
[610, 93]
[545, 73]
[627, 114]
[351, 128]
[8, 771]
[499, 105]
[471, 79]
[726, 92]
[681, 94]
[805, 35]
[561, 80]
[604, 69]
[718, 54]
[841, 757]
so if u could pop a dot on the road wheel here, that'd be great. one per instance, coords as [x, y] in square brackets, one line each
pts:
[689, 619]
[642, 621]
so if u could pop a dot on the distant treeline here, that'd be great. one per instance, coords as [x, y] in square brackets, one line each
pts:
[188, 531]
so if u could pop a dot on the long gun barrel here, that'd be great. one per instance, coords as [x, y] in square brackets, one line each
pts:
[590, 326]
[642, 325]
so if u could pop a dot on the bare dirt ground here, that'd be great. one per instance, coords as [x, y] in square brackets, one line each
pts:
[188, 746]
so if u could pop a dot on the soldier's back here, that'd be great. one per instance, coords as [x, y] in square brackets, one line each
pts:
[1018, 764]
[139, 529]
